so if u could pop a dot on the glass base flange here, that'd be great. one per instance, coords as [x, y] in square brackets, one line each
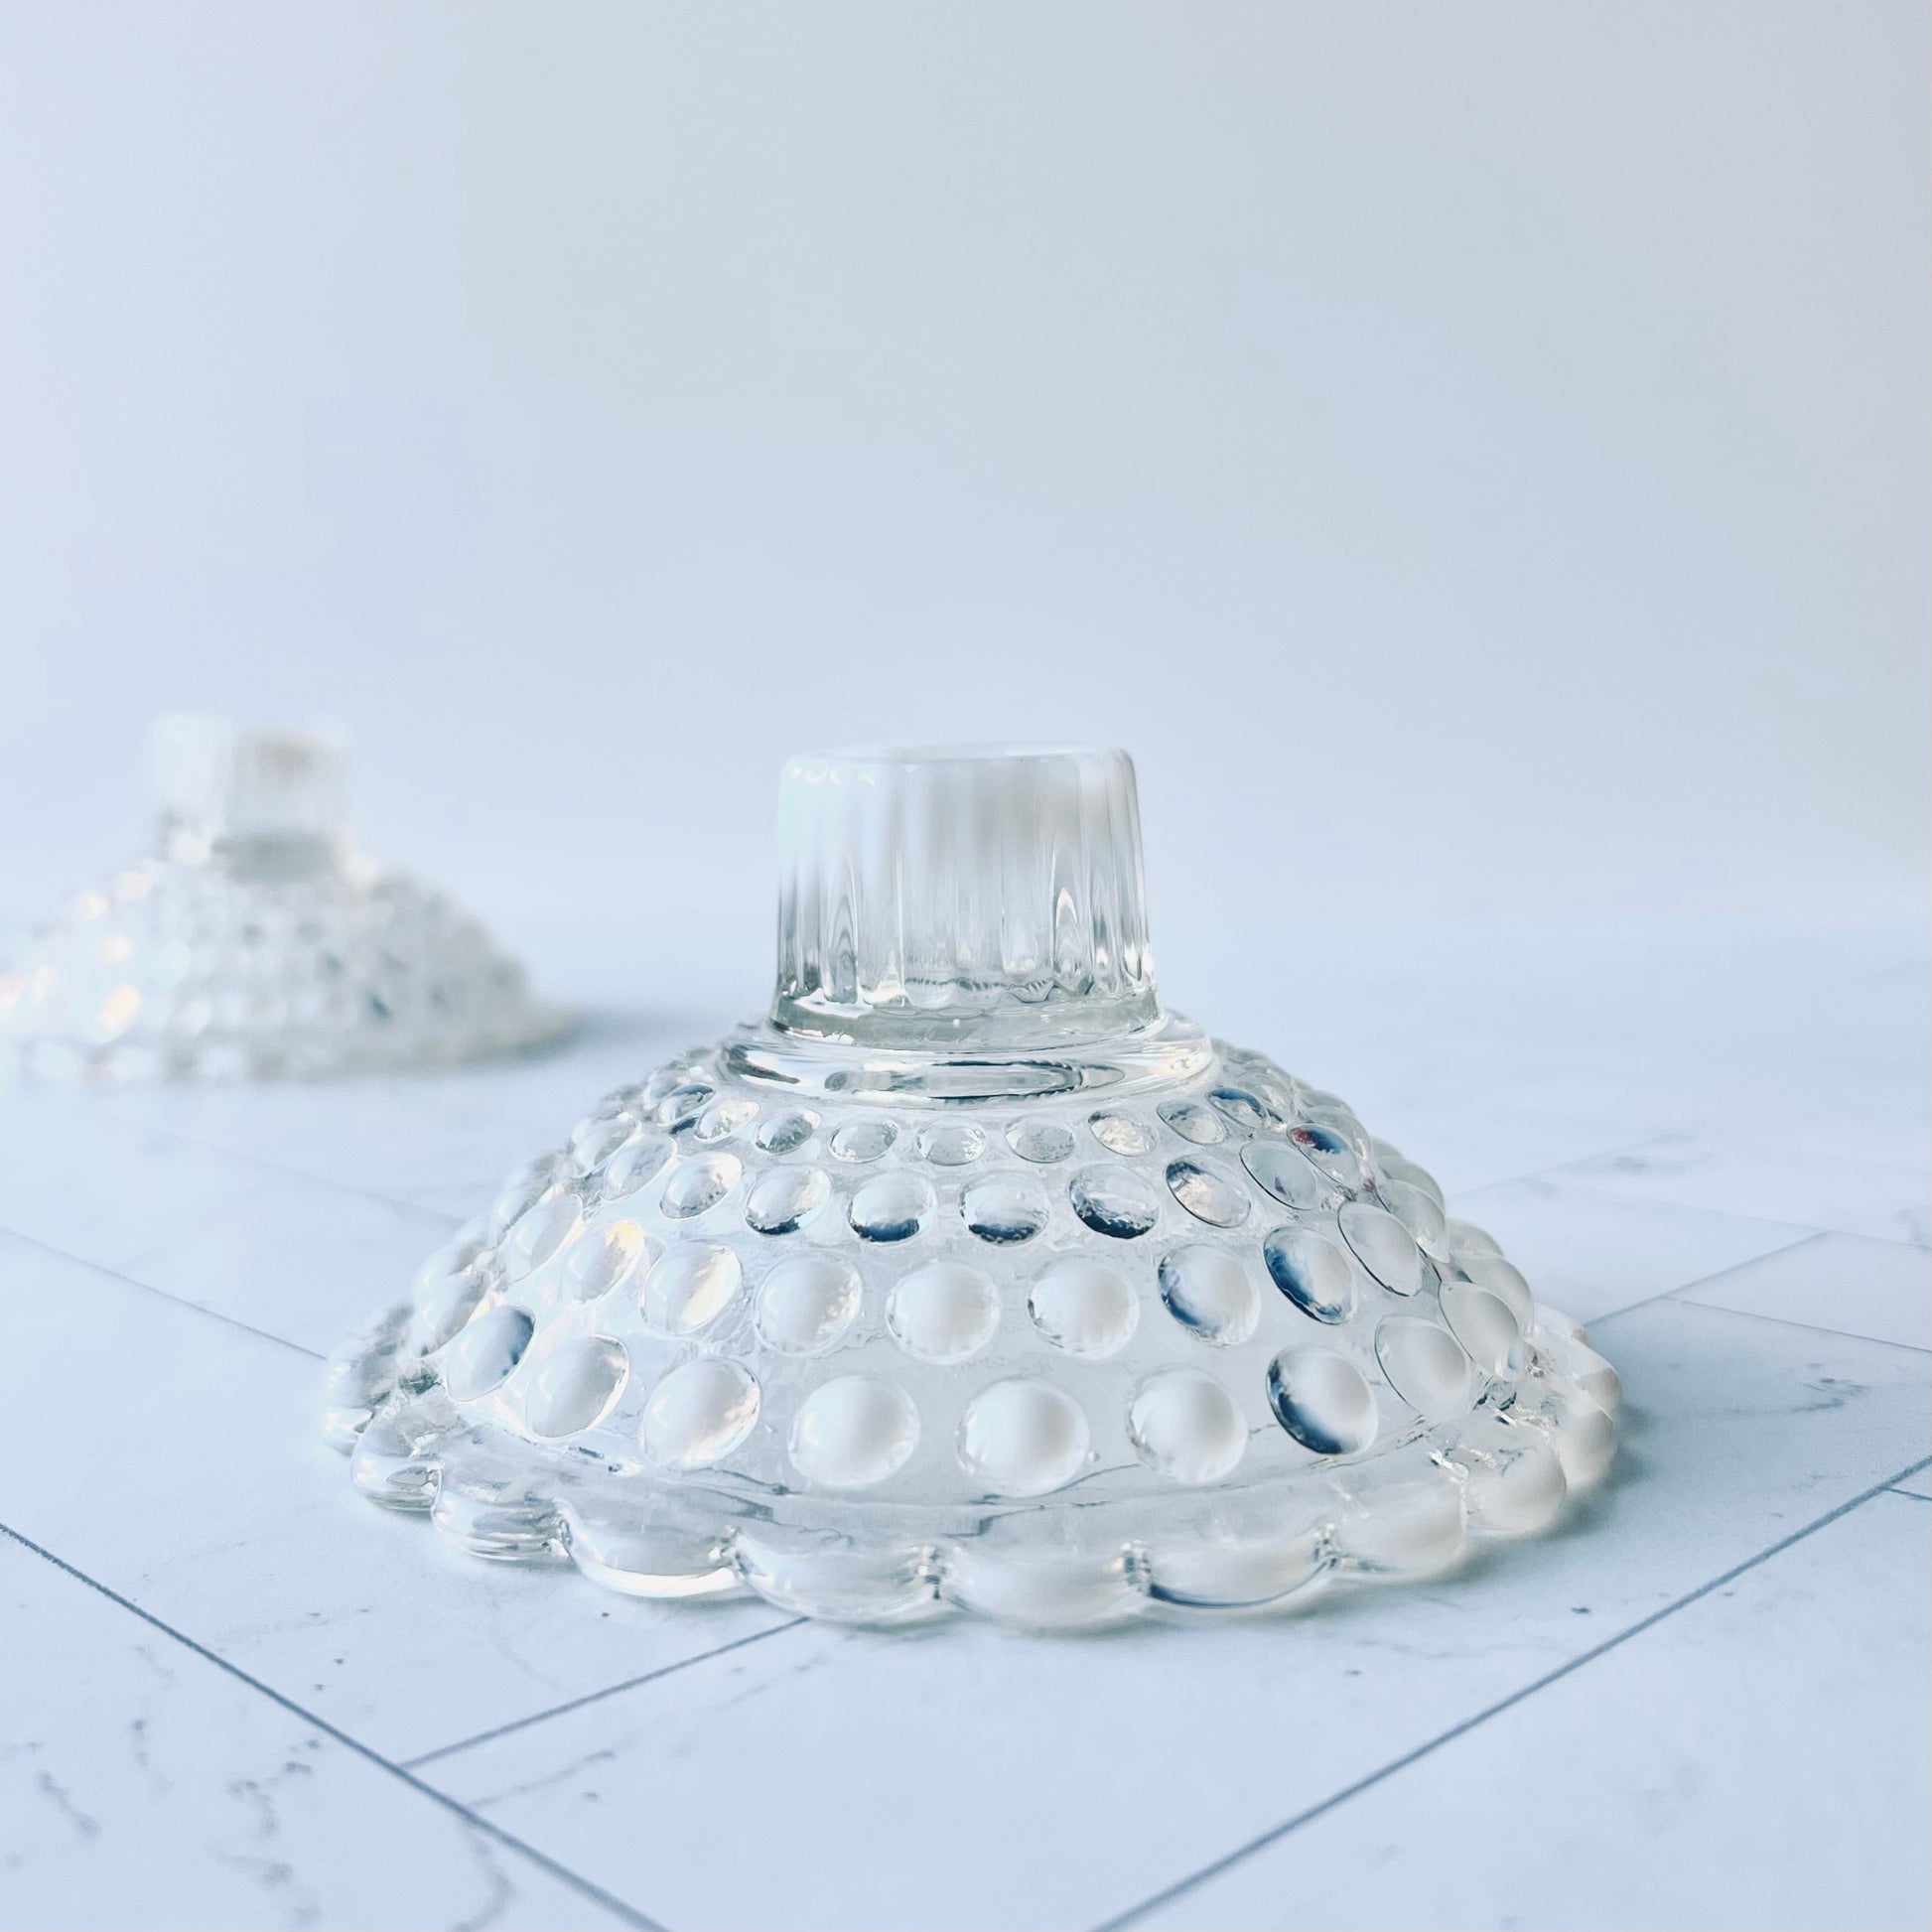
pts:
[1177, 1340]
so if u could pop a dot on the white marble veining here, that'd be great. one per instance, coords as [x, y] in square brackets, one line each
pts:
[205, 1494]
[1709, 1143]
[141, 1784]
[1818, 1186]
[1676, 1778]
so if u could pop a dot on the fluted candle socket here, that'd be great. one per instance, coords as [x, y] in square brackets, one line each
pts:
[961, 897]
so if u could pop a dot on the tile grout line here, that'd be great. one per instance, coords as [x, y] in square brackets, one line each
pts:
[591, 1890]
[1785, 1321]
[148, 1288]
[1671, 1295]
[1685, 1290]
[595, 1697]
[1682, 1289]
[292, 1173]
[196, 1142]
[1278, 1832]
[1606, 1192]
[1738, 1266]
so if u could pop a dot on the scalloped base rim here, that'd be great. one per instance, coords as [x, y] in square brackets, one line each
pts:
[1404, 1511]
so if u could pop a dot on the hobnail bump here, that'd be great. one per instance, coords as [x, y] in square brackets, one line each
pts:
[969, 1279]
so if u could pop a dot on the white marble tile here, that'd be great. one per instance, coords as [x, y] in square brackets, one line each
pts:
[1757, 1758]
[1847, 1282]
[1591, 1253]
[73, 1176]
[962, 1776]
[144, 1786]
[178, 1460]
[1828, 1184]
[392, 1140]
[1877, 1109]
[303, 1259]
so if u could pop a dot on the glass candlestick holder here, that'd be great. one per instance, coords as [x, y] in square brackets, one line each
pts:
[255, 940]
[969, 1277]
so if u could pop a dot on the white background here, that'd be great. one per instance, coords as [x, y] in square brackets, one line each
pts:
[1475, 458]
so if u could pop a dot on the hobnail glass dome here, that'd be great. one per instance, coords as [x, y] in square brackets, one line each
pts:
[255, 942]
[969, 1277]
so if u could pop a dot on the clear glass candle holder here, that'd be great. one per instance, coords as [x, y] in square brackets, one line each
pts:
[254, 940]
[969, 1277]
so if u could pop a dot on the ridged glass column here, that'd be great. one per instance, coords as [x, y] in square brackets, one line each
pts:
[933, 896]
